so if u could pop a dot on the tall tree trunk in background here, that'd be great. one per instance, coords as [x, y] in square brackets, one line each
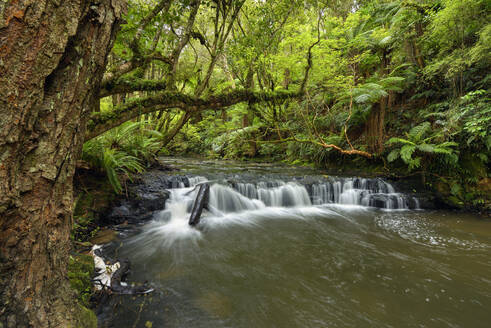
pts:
[249, 84]
[52, 58]
[375, 125]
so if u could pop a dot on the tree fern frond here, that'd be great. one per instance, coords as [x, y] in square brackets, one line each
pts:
[400, 140]
[414, 163]
[427, 148]
[393, 155]
[419, 131]
[406, 152]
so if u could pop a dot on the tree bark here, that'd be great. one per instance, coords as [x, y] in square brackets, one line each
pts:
[52, 57]
[374, 127]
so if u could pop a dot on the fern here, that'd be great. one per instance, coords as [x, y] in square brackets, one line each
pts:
[400, 140]
[427, 148]
[122, 151]
[407, 152]
[418, 144]
[368, 93]
[419, 131]
[393, 155]
[118, 162]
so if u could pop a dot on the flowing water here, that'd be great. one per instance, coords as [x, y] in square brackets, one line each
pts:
[285, 247]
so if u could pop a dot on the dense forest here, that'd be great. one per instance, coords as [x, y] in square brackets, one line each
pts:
[396, 88]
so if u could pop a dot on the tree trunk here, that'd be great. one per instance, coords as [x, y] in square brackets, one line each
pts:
[374, 127]
[52, 58]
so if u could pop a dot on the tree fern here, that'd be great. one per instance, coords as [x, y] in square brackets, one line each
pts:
[416, 145]
[400, 140]
[122, 151]
[407, 153]
[416, 133]
[393, 155]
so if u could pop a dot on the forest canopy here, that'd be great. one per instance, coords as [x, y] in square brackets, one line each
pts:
[405, 83]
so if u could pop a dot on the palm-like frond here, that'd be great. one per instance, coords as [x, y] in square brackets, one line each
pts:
[417, 133]
[115, 161]
[417, 143]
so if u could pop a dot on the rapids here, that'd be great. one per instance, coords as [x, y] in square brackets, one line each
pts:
[289, 247]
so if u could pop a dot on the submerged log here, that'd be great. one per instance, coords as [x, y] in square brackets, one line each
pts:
[200, 202]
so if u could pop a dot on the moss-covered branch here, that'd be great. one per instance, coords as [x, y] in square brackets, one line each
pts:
[100, 122]
[128, 85]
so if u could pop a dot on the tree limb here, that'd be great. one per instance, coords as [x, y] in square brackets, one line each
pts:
[174, 58]
[100, 122]
[138, 59]
[323, 145]
[129, 85]
[309, 56]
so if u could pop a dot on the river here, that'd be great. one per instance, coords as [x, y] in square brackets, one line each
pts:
[291, 247]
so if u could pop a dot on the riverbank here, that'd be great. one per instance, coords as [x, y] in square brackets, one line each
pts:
[274, 239]
[100, 215]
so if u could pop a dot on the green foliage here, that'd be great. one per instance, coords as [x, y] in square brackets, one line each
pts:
[451, 42]
[238, 144]
[414, 72]
[475, 114]
[417, 145]
[123, 151]
[116, 162]
[188, 141]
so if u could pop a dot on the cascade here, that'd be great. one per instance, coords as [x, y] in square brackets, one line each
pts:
[243, 234]
[237, 196]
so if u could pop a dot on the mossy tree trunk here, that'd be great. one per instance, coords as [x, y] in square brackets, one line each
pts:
[52, 57]
[375, 125]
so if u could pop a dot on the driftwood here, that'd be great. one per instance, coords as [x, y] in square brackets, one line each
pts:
[120, 275]
[200, 202]
[111, 278]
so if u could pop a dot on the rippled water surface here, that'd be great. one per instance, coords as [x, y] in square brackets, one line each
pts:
[329, 265]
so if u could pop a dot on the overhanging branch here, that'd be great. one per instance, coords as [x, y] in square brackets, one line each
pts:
[128, 85]
[100, 122]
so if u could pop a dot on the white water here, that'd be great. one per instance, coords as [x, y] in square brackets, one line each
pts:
[248, 203]
[359, 191]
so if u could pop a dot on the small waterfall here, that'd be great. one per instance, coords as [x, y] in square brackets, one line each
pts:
[243, 203]
[193, 181]
[225, 199]
[348, 191]
[360, 191]
[276, 193]
[232, 197]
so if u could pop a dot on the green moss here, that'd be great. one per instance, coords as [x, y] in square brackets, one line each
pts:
[83, 202]
[83, 218]
[85, 318]
[80, 271]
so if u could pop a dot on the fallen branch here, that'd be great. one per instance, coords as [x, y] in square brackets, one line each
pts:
[323, 145]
